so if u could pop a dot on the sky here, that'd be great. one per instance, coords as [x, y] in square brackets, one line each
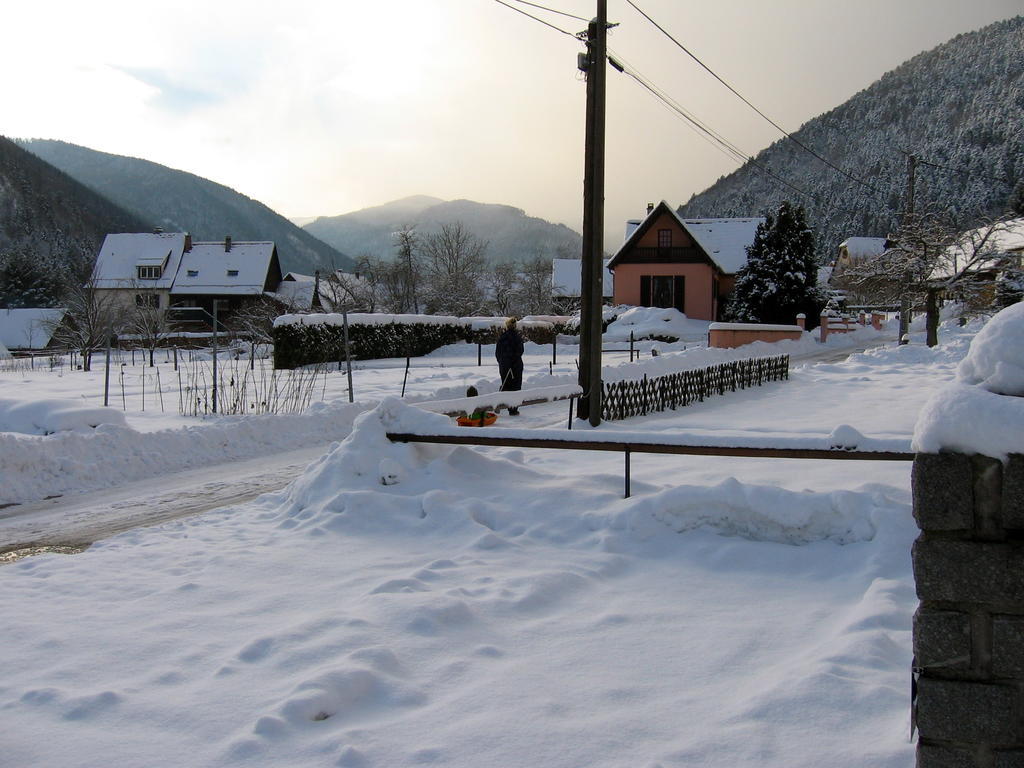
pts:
[320, 108]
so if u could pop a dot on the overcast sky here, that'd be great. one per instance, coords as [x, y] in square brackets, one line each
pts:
[324, 107]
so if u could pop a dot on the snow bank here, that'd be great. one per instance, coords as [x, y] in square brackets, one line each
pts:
[32, 467]
[368, 462]
[44, 417]
[996, 357]
[984, 411]
[648, 322]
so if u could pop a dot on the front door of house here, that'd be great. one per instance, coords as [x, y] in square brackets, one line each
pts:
[665, 291]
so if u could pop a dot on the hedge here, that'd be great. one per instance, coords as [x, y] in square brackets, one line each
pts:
[301, 343]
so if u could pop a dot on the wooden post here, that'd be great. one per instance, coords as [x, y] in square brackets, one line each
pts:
[406, 377]
[626, 452]
[106, 376]
[348, 357]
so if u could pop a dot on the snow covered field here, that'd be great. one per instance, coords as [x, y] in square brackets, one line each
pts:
[492, 607]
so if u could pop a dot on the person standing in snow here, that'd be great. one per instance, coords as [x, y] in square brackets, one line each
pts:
[509, 353]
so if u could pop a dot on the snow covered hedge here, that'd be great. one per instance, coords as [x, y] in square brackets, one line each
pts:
[320, 338]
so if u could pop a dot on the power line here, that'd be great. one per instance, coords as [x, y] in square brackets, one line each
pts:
[963, 171]
[778, 127]
[724, 144]
[553, 10]
[535, 18]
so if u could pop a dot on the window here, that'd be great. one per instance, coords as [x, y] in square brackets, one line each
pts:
[149, 300]
[664, 238]
[193, 273]
[666, 291]
[232, 273]
[148, 272]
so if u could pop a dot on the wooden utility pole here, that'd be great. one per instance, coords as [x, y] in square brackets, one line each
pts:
[907, 222]
[592, 262]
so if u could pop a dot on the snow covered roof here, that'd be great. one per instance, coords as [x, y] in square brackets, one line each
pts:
[565, 278]
[28, 328]
[863, 247]
[724, 240]
[211, 269]
[992, 241]
[121, 254]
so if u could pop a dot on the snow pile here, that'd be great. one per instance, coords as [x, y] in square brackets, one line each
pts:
[650, 322]
[996, 359]
[111, 454]
[44, 417]
[984, 411]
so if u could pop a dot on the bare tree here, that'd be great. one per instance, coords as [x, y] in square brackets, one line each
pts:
[351, 291]
[92, 317]
[454, 268]
[930, 260]
[407, 270]
[534, 288]
[149, 322]
[503, 282]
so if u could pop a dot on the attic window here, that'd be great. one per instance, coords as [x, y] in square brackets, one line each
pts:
[148, 272]
[664, 238]
[232, 273]
[193, 273]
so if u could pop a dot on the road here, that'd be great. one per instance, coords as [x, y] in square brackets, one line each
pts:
[76, 521]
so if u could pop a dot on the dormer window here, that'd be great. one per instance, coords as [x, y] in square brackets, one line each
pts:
[147, 272]
[193, 273]
[232, 273]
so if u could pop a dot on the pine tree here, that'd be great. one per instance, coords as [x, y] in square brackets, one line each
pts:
[780, 277]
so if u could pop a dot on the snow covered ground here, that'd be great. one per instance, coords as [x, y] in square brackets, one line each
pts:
[494, 607]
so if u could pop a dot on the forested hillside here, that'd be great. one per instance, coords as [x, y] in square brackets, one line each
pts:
[511, 235]
[958, 108]
[51, 228]
[183, 202]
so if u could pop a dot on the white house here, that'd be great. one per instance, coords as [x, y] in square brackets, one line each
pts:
[161, 270]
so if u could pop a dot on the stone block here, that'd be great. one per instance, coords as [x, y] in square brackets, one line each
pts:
[1008, 646]
[962, 571]
[1013, 492]
[966, 712]
[941, 756]
[943, 487]
[942, 638]
[1011, 758]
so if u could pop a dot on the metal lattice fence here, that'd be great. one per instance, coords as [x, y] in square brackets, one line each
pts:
[623, 399]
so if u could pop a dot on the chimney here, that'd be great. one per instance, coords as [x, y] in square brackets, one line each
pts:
[227, 243]
[188, 242]
[650, 207]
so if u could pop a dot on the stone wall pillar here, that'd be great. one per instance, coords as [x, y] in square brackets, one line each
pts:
[969, 628]
[801, 320]
[823, 328]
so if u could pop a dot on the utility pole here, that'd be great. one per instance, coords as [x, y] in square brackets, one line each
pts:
[907, 222]
[592, 262]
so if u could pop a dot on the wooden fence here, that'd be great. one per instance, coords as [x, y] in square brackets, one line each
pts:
[623, 399]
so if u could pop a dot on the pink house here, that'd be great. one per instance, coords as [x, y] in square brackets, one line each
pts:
[688, 264]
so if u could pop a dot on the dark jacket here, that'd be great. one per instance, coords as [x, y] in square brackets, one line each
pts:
[509, 348]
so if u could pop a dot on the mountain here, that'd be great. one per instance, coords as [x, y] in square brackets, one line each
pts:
[183, 202]
[510, 233]
[51, 227]
[959, 108]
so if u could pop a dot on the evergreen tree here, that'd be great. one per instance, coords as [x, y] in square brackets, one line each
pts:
[780, 277]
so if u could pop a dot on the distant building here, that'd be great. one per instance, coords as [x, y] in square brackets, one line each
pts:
[163, 270]
[566, 279]
[29, 328]
[687, 264]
